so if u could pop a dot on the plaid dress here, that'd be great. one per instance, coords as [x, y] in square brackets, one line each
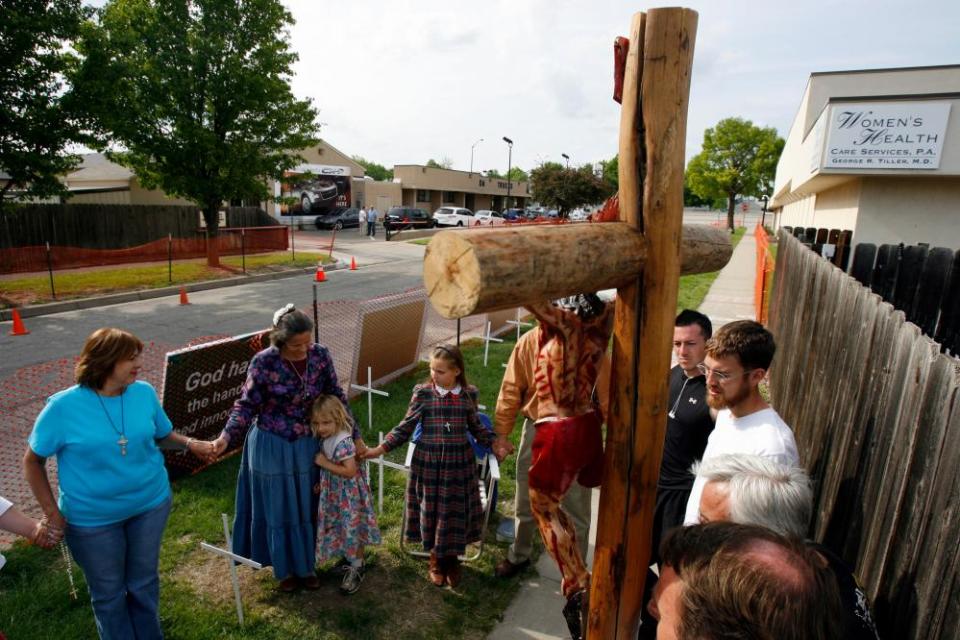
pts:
[443, 495]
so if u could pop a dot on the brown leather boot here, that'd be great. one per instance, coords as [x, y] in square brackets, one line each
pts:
[454, 574]
[435, 570]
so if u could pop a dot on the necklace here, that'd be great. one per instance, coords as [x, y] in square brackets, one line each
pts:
[123, 427]
[306, 371]
[672, 413]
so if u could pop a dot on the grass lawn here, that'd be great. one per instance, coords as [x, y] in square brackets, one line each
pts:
[81, 284]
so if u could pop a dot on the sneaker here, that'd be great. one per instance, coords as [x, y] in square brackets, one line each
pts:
[351, 581]
[572, 614]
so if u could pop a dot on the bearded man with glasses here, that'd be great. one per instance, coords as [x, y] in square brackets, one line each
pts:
[737, 360]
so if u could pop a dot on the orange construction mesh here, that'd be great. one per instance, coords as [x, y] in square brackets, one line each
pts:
[230, 241]
[764, 275]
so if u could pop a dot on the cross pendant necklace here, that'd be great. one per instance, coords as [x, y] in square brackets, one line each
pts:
[123, 427]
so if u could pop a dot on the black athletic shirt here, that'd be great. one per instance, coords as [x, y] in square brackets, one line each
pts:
[687, 432]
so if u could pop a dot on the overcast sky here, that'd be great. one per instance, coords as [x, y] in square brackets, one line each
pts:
[402, 81]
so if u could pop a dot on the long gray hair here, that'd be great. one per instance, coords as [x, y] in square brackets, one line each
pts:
[762, 491]
[289, 322]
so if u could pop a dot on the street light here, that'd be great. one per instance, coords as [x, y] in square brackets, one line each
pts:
[563, 155]
[763, 211]
[509, 166]
[471, 153]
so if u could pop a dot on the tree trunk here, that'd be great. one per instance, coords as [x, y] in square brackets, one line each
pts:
[213, 246]
[731, 206]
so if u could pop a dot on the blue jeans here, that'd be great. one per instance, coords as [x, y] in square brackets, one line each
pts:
[120, 561]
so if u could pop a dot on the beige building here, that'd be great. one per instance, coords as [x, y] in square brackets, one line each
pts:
[98, 180]
[876, 152]
[430, 188]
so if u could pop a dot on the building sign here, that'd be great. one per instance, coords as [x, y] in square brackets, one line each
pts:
[886, 135]
[314, 189]
[200, 385]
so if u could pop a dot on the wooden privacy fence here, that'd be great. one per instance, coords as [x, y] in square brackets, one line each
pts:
[110, 226]
[922, 282]
[874, 406]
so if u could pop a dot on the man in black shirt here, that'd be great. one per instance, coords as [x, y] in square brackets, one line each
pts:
[689, 423]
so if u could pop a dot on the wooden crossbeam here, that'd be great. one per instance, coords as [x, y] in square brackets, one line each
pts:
[467, 272]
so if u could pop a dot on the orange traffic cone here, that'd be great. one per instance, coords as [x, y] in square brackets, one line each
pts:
[353, 263]
[183, 296]
[18, 328]
[321, 276]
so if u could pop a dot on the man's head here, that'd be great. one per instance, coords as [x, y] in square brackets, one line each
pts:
[732, 581]
[751, 489]
[737, 359]
[691, 330]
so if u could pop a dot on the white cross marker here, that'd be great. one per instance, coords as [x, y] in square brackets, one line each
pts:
[231, 558]
[487, 339]
[518, 323]
[369, 390]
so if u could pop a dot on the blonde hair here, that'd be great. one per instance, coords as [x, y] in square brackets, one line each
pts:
[330, 408]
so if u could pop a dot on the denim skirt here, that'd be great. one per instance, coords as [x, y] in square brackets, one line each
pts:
[275, 522]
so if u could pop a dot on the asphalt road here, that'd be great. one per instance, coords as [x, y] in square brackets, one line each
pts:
[383, 268]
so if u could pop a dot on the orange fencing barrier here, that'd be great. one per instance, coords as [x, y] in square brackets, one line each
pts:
[231, 241]
[764, 277]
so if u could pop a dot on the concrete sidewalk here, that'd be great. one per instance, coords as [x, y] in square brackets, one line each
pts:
[535, 613]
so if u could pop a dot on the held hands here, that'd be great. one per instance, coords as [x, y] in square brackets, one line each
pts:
[502, 448]
[48, 532]
[210, 450]
[371, 452]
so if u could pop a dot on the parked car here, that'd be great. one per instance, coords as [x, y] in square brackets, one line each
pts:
[453, 217]
[317, 193]
[339, 219]
[513, 215]
[398, 218]
[488, 217]
[579, 215]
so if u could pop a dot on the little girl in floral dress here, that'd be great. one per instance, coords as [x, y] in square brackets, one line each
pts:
[345, 519]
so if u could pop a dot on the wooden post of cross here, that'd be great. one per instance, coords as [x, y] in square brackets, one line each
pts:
[643, 256]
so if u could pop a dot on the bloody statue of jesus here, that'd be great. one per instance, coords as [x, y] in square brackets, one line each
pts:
[568, 444]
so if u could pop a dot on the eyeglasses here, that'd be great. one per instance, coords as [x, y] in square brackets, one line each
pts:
[721, 377]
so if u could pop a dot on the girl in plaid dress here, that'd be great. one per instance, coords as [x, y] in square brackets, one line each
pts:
[443, 495]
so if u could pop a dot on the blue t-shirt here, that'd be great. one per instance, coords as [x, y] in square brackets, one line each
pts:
[98, 485]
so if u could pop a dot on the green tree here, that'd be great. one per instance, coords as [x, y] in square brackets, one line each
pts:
[493, 173]
[445, 163]
[690, 199]
[373, 169]
[737, 159]
[194, 96]
[555, 186]
[611, 171]
[518, 175]
[38, 118]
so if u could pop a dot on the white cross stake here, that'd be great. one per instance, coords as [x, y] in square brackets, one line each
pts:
[231, 558]
[519, 323]
[369, 390]
[487, 339]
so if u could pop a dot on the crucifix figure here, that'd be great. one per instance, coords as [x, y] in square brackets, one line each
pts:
[642, 254]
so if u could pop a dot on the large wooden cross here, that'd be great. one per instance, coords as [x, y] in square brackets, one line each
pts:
[643, 256]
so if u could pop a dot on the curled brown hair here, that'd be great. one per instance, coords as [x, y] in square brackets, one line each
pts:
[101, 352]
[329, 407]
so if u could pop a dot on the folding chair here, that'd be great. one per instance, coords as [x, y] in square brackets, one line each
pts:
[489, 478]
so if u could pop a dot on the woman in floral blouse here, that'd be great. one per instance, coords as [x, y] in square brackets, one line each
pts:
[275, 522]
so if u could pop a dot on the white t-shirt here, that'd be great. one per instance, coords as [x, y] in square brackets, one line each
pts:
[4, 505]
[762, 433]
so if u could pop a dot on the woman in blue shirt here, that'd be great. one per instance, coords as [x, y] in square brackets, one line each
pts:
[114, 495]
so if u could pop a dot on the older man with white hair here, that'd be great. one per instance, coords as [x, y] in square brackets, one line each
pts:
[752, 489]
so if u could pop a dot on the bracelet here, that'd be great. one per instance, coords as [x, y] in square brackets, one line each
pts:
[189, 442]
